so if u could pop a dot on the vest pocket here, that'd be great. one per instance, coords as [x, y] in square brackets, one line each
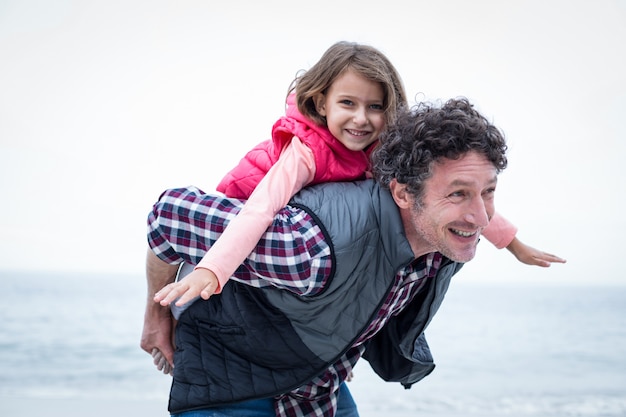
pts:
[217, 328]
[273, 346]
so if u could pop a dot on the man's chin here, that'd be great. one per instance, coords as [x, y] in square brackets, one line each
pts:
[461, 256]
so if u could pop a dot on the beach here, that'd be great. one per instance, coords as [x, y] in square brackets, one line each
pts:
[71, 348]
[29, 407]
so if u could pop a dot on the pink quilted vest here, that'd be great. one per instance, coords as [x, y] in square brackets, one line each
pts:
[333, 161]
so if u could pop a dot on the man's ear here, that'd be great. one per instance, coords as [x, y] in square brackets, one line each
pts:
[399, 194]
[320, 104]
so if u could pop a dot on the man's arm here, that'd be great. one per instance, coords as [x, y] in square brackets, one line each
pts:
[292, 254]
[156, 337]
[294, 169]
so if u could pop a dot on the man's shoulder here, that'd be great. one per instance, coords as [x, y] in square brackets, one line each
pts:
[353, 191]
[350, 210]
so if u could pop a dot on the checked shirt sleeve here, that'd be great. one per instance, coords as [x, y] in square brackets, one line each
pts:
[294, 169]
[291, 255]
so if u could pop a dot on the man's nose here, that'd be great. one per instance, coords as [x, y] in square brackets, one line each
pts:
[477, 213]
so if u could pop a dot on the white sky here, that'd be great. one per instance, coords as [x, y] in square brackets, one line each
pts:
[104, 104]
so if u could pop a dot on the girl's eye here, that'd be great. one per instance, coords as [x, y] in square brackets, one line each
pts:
[346, 102]
[376, 107]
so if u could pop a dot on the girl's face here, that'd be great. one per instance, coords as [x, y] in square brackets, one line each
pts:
[353, 107]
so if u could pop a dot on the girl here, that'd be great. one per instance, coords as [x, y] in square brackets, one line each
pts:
[335, 114]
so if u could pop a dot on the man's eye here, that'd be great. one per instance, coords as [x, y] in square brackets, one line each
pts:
[456, 196]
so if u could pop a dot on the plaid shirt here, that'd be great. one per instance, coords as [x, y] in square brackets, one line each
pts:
[292, 256]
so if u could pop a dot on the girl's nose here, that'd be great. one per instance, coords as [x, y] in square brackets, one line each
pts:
[360, 117]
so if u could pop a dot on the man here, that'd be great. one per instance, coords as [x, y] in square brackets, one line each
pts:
[346, 270]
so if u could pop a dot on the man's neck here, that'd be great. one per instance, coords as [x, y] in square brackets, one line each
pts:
[419, 246]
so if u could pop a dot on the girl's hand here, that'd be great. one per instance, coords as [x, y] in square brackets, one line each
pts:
[531, 256]
[200, 282]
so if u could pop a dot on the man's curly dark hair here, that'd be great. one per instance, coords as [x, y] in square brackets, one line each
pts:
[426, 134]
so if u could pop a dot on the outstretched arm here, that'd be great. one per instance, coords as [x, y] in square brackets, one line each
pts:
[294, 169]
[531, 256]
[502, 233]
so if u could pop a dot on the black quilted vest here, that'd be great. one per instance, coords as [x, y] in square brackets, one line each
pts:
[250, 343]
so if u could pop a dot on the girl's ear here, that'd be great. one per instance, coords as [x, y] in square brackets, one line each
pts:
[320, 104]
[399, 194]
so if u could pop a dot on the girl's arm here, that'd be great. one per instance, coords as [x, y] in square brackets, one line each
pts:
[500, 231]
[502, 234]
[294, 169]
[531, 256]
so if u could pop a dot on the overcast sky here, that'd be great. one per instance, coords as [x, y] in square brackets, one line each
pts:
[104, 104]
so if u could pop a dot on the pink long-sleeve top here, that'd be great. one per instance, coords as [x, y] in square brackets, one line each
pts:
[293, 171]
[300, 153]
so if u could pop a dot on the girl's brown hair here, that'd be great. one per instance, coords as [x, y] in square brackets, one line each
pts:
[365, 61]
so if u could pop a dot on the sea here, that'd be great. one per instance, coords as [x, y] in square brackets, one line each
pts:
[517, 350]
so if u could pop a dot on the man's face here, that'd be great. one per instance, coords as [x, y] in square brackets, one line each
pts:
[457, 204]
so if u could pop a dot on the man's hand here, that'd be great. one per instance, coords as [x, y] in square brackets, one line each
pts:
[156, 336]
[200, 281]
